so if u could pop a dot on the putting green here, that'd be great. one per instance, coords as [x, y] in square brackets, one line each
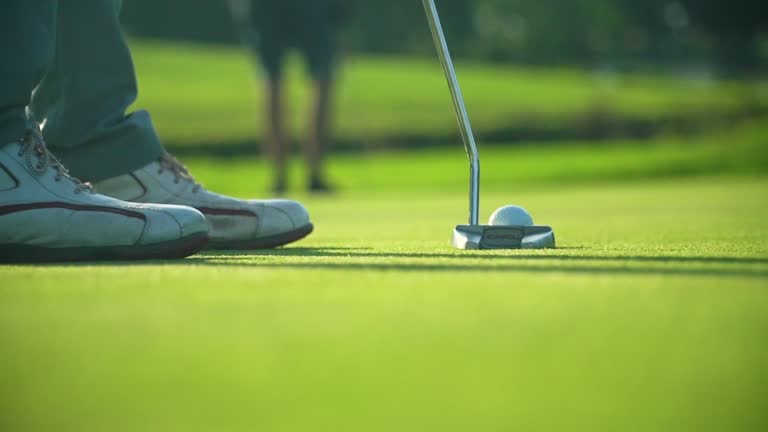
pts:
[651, 316]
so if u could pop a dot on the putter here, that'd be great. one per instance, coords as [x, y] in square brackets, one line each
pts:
[474, 235]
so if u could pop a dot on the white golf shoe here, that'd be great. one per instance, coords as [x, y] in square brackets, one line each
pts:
[233, 223]
[46, 215]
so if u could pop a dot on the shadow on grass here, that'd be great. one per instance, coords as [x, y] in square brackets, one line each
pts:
[488, 261]
[588, 269]
[554, 254]
[555, 261]
[590, 126]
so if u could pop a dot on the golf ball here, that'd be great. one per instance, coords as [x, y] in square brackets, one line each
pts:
[511, 215]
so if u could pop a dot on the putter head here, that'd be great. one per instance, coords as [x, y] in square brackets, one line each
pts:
[503, 237]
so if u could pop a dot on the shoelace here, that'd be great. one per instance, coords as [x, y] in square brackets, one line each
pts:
[180, 172]
[33, 145]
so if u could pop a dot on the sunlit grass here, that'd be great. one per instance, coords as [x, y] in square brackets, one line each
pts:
[203, 94]
[648, 317]
[742, 150]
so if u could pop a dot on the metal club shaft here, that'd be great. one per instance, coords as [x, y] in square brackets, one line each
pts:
[461, 110]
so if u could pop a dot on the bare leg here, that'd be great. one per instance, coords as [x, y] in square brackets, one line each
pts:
[276, 136]
[318, 133]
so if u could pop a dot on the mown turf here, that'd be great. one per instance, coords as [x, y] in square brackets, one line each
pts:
[650, 316]
[739, 150]
[209, 95]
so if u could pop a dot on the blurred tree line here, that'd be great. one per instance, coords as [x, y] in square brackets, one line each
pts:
[730, 34]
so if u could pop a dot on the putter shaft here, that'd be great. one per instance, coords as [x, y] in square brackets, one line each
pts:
[460, 108]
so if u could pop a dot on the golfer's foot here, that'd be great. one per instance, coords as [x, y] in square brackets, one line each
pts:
[319, 186]
[279, 186]
[234, 223]
[46, 215]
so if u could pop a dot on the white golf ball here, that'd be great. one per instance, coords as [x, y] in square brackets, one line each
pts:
[511, 215]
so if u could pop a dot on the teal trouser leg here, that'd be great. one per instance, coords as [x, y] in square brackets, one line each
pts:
[83, 99]
[27, 38]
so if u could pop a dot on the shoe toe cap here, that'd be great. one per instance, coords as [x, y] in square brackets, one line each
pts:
[279, 216]
[171, 222]
[190, 220]
[294, 211]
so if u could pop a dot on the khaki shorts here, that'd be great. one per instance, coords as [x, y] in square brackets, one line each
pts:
[272, 28]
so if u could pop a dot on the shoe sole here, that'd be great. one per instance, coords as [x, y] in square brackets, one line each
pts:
[174, 249]
[269, 242]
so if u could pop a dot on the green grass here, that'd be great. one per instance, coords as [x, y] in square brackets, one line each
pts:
[739, 150]
[650, 316]
[209, 95]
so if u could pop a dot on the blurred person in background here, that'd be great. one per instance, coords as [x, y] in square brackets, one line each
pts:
[270, 29]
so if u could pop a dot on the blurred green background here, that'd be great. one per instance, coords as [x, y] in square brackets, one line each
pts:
[620, 33]
[592, 74]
